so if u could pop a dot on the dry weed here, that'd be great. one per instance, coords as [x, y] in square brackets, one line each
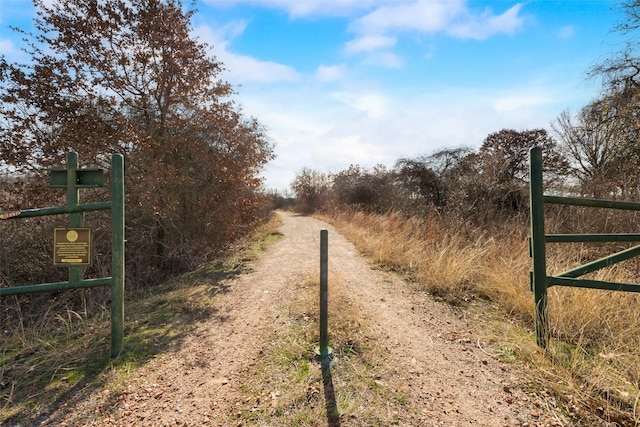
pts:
[596, 333]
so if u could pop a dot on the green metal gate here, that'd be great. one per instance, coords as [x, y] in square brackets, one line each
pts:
[72, 178]
[540, 281]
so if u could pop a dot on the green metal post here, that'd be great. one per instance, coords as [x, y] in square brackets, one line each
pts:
[324, 294]
[57, 210]
[73, 199]
[57, 286]
[91, 178]
[538, 255]
[117, 254]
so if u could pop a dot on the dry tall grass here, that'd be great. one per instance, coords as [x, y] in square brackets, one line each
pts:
[452, 263]
[596, 345]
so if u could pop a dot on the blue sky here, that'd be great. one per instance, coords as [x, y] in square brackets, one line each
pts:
[340, 82]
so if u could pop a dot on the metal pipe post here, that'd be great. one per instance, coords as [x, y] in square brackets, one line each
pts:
[117, 254]
[324, 294]
[538, 255]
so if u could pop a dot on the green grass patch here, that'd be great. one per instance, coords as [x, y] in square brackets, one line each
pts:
[289, 386]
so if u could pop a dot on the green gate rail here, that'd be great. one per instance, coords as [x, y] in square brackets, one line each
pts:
[540, 281]
[72, 178]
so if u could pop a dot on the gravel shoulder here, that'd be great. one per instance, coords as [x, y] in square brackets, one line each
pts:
[437, 352]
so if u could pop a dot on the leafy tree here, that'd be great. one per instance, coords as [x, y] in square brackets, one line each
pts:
[439, 178]
[503, 167]
[349, 188]
[126, 76]
[371, 190]
[424, 185]
[504, 158]
[449, 163]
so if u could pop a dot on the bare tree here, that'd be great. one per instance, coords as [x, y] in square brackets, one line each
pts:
[621, 77]
[591, 142]
[311, 188]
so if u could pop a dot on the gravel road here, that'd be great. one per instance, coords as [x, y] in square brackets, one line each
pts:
[451, 377]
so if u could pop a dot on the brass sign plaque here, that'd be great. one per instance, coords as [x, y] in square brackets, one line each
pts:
[72, 246]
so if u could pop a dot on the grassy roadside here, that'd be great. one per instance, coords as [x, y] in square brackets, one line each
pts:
[289, 386]
[592, 368]
[68, 353]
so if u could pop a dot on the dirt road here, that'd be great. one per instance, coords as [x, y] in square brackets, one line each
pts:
[437, 354]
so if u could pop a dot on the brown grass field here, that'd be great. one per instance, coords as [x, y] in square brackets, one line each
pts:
[593, 360]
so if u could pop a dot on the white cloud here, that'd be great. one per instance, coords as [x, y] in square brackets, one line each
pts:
[228, 31]
[377, 32]
[7, 48]
[342, 150]
[369, 43]
[513, 102]
[375, 46]
[12, 50]
[326, 73]
[242, 69]
[305, 8]
[483, 26]
[374, 105]
[453, 17]
[421, 15]
[368, 125]
[386, 59]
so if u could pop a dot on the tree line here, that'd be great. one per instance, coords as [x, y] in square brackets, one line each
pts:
[111, 76]
[592, 153]
[461, 182]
